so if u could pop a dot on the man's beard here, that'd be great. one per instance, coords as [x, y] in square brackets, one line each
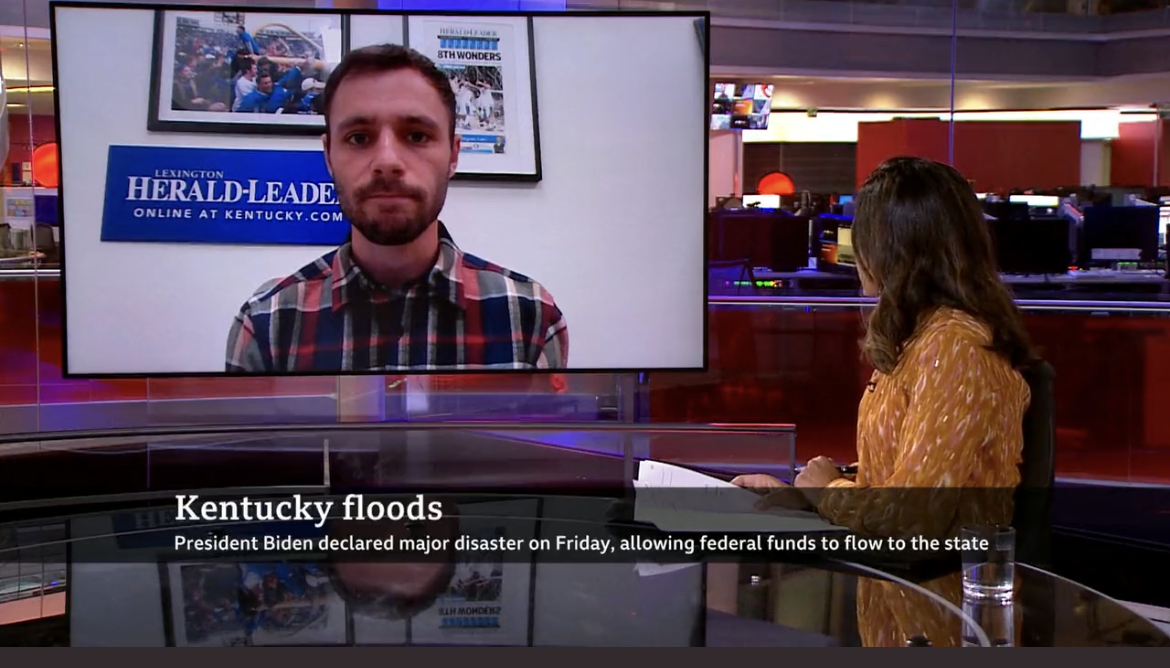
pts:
[395, 224]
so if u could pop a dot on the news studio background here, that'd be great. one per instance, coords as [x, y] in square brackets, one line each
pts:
[148, 498]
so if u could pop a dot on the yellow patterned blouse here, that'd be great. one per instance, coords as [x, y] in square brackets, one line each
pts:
[949, 416]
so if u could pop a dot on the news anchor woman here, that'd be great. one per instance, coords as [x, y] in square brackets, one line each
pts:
[945, 406]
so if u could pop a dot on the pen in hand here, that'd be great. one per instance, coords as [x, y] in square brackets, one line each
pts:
[844, 470]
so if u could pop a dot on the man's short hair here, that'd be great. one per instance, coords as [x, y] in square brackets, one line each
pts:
[389, 58]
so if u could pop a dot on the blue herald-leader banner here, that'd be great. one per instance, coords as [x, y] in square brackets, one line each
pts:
[220, 196]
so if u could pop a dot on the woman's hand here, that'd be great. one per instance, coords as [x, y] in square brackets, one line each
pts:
[788, 498]
[776, 493]
[757, 482]
[819, 472]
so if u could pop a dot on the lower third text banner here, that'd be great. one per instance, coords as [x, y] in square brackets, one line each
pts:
[416, 528]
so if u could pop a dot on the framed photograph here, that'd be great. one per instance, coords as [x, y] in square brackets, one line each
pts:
[488, 601]
[490, 63]
[228, 604]
[242, 72]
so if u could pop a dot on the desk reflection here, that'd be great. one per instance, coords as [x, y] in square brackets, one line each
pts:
[845, 607]
[893, 615]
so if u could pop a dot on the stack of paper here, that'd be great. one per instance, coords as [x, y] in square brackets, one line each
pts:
[722, 507]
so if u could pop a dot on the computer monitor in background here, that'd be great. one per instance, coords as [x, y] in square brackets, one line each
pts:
[1037, 247]
[1000, 210]
[45, 209]
[791, 239]
[824, 247]
[1121, 196]
[741, 234]
[1164, 219]
[845, 199]
[767, 239]
[1114, 235]
[761, 201]
[1036, 201]
[830, 256]
[1038, 205]
[845, 255]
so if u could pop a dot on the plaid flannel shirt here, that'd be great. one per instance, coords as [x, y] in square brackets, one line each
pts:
[465, 314]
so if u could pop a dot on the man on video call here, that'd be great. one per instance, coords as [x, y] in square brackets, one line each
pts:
[399, 295]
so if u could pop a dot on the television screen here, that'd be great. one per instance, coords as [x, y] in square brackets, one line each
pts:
[218, 226]
[737, 107]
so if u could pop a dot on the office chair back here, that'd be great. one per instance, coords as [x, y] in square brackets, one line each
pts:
[1033, 498]
[43, 238]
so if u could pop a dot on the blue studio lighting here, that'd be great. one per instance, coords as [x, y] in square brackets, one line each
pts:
[475, 5]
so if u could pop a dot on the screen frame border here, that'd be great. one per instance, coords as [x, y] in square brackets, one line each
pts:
[702, 23]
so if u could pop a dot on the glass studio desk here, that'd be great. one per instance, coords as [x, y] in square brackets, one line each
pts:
[98, 570]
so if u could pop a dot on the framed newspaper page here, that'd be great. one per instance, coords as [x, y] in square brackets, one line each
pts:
[488, 602]
[238, 604]
[242, 72]
[491, 66]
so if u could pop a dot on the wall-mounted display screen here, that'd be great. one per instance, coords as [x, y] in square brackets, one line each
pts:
[741, 107]
[463, 208]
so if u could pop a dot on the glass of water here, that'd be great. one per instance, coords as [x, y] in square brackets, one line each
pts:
[989, 562]
[997, 620]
